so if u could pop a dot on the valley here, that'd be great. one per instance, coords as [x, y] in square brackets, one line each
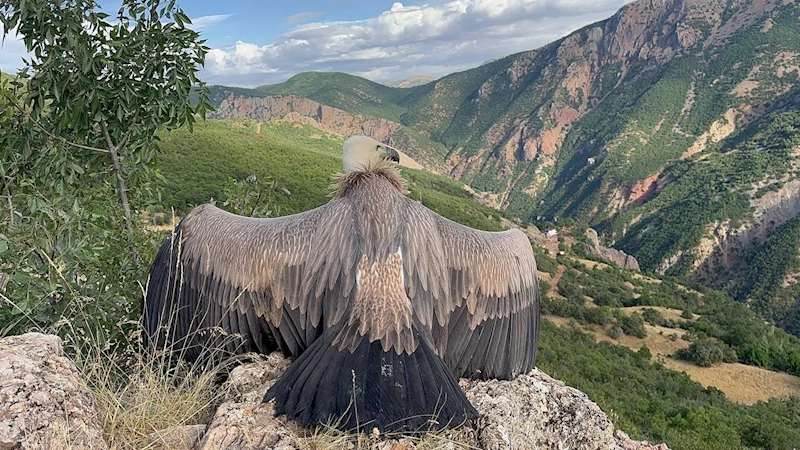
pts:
[652, 158]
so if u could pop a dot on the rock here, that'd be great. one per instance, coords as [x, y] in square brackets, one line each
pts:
[44, 404]
[612, 255]
[626, 443]
[533, 411]
[536, 411]
[244, 422]
[178, 438]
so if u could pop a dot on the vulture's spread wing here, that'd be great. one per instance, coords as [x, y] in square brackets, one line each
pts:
[483, 296]
[249, 284]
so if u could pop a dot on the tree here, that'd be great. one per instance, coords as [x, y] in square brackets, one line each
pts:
[104, 87]
[78, 140]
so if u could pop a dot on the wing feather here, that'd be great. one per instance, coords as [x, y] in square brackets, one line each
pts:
[481, 290]
[220, 276]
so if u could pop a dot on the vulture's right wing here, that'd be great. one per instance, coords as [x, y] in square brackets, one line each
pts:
[249, 284]
[481, 294]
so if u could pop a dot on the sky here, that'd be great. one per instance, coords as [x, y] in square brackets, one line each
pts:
[263, 42]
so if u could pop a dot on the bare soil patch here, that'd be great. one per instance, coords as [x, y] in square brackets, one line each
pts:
[668, 313]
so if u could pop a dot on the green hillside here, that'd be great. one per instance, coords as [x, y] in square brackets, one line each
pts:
[716, 187]
[199, 166]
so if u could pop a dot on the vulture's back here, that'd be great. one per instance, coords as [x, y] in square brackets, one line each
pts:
[383, 302]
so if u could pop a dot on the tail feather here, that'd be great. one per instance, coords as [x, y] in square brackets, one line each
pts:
[370, 388]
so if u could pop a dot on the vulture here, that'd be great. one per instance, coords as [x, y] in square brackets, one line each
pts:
[383, 303]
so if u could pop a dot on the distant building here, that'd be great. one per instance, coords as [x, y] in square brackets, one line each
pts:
[551, 232]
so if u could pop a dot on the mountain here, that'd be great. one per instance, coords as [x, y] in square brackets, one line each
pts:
[669, 127]
[410, 82]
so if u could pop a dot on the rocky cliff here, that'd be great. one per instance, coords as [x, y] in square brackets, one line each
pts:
[612, 255]
[291, 108]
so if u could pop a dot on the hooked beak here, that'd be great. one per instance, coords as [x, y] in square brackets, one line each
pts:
[392, 154]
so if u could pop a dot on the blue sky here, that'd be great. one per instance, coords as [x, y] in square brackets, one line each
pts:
[261, 42]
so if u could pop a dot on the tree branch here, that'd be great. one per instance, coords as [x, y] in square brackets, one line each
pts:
[47, 132]
[122, 189]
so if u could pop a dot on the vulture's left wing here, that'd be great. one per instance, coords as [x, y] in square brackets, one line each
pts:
[483, 296]
[247, 284]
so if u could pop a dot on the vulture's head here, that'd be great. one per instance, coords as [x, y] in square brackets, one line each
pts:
[362, 153]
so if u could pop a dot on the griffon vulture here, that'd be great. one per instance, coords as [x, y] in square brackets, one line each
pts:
[382, 302]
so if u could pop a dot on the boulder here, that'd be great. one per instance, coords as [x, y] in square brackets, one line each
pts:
[44, 403]
[243, 421]
[612, 255]
[536, 411]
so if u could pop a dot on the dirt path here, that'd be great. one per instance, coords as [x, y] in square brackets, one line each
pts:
[553, 293]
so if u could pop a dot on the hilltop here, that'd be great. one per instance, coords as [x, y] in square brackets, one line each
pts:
[410, 82]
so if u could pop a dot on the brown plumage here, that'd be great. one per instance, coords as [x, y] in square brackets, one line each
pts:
[382, 301]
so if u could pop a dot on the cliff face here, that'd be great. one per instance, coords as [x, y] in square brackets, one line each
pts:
[292, 108]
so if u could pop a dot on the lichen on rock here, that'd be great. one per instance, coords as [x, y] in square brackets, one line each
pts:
[44, 402]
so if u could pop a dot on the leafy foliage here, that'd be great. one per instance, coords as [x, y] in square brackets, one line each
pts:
[707, 352]
[77, 129]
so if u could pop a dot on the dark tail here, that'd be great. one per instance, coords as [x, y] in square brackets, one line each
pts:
[370, 388]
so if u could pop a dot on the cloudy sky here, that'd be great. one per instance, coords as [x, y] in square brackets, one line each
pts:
[260, 42]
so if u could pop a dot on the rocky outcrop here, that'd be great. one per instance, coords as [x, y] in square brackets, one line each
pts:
[612, 255]
[44, 403]
[533, 411]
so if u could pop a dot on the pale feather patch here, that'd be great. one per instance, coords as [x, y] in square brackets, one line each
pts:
[382, 309]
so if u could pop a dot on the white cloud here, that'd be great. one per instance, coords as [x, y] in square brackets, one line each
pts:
[12, 50]
[432, 39]
[203, 22]
[304, 17]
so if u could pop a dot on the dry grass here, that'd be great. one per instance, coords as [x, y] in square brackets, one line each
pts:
[668, 313]
[135, 408]
[138, 395]
[329, 438]
[740, 383]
